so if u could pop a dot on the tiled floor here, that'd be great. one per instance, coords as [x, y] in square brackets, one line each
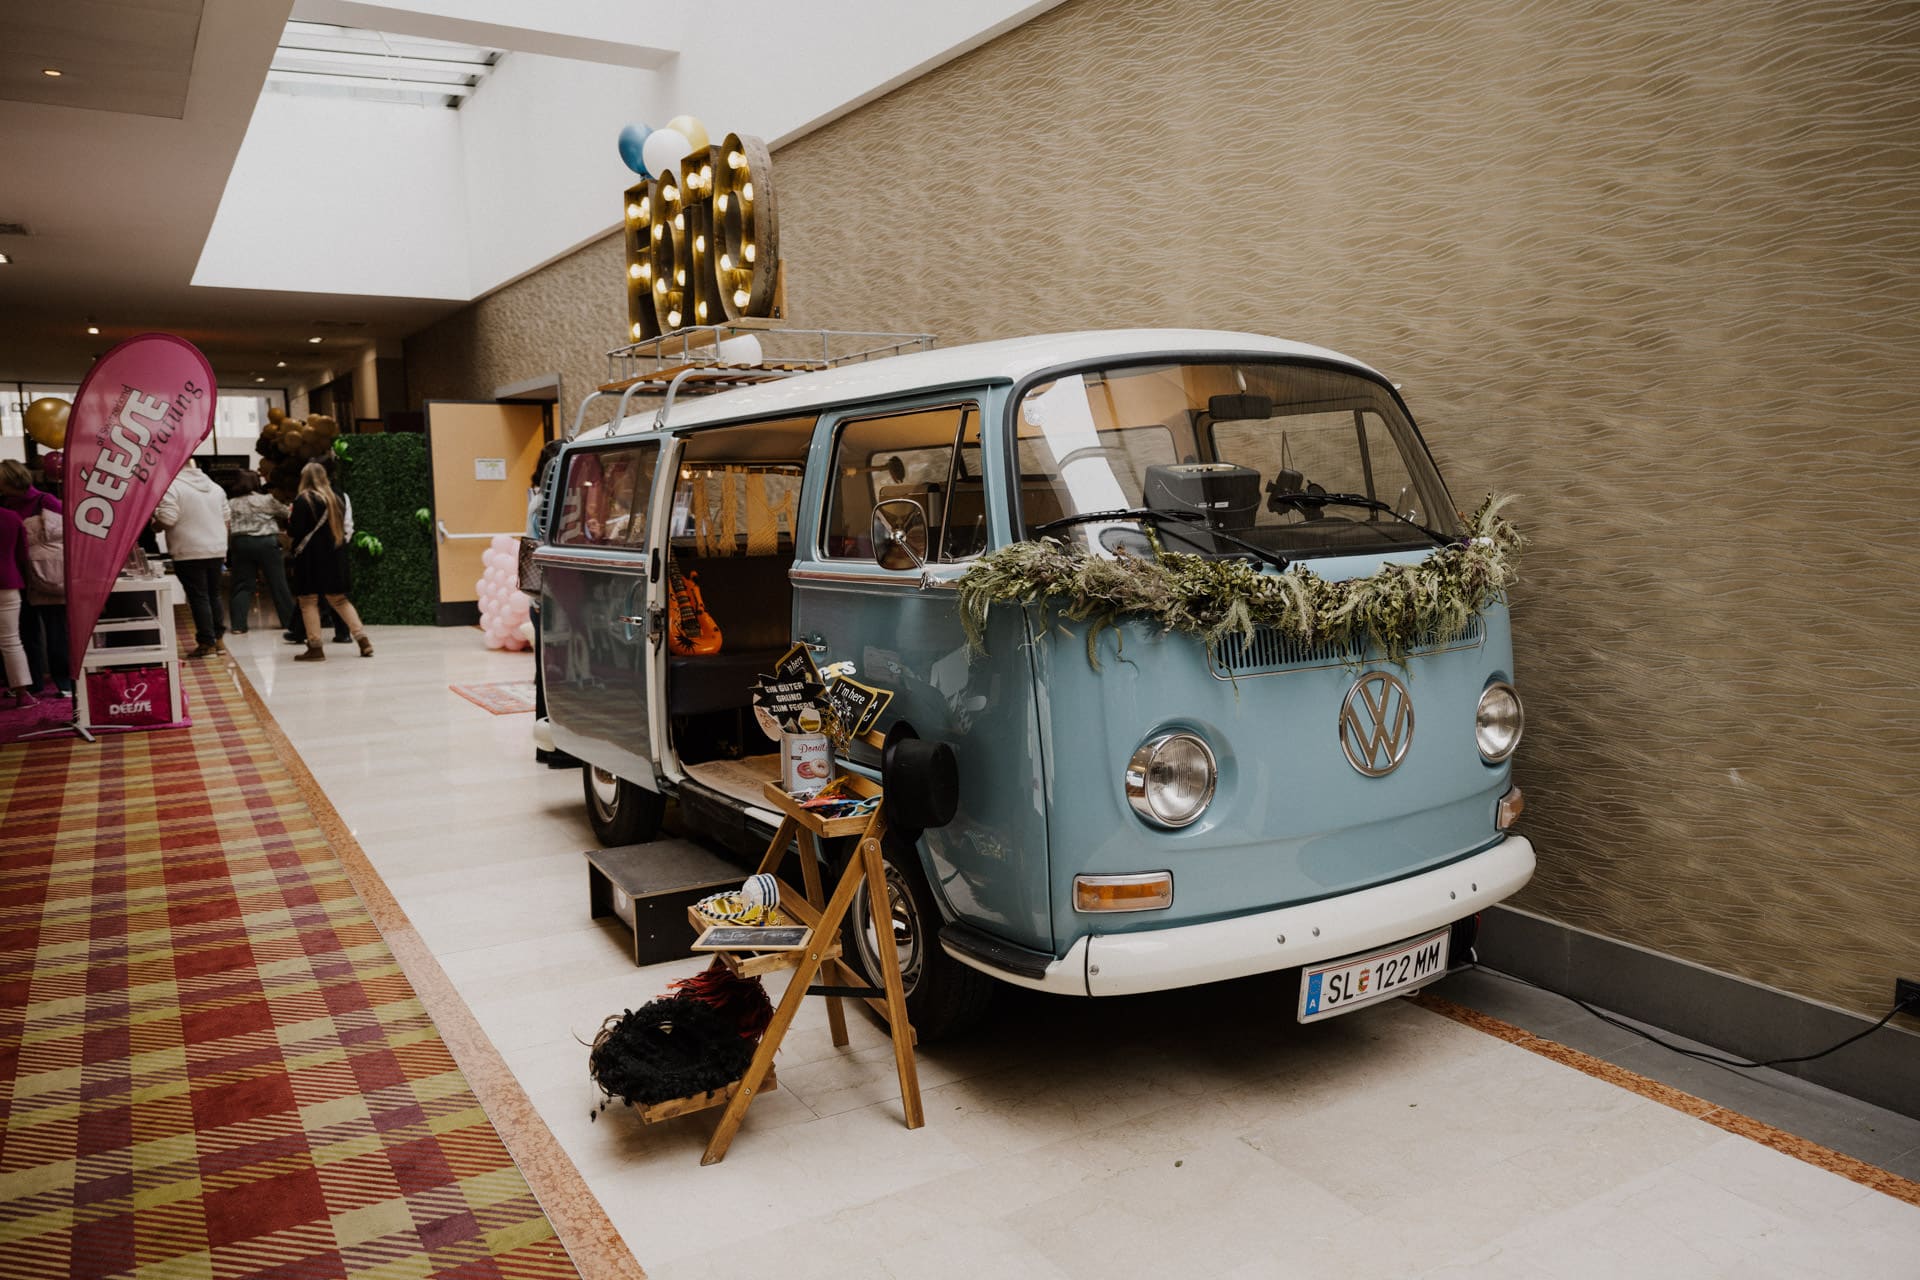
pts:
[1176, 1134]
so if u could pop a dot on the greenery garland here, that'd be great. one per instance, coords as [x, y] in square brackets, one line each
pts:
[1394, 610]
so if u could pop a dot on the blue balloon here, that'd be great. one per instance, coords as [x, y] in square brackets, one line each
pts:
[632, 138]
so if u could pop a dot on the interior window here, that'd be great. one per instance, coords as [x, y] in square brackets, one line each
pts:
[604, 496]
[930, 456]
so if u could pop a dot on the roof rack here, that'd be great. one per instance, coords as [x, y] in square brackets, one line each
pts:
[690, 361]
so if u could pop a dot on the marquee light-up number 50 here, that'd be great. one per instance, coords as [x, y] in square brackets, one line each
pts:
[703, 244]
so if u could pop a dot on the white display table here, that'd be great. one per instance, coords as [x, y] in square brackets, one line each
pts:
[135, 630]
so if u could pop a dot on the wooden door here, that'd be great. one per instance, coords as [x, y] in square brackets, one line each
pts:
[482, 456]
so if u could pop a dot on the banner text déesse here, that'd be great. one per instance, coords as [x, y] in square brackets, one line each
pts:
[128, 449]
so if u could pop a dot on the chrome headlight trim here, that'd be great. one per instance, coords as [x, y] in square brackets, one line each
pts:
[1141, 788]
[1496, 733]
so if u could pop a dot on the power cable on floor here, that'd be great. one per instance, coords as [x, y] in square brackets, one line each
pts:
[1717, 1059]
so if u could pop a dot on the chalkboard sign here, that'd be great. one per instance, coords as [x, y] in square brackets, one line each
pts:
[726, 937]
[856, 706]
[792, 686]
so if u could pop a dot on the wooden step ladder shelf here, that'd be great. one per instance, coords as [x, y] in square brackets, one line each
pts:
[819, 961]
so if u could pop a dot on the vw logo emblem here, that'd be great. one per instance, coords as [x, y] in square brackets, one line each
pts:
[1376, 724]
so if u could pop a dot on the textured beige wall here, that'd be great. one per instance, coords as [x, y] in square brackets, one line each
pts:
[1652, 267]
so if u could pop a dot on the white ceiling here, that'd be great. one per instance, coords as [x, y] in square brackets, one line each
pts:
[164, 185]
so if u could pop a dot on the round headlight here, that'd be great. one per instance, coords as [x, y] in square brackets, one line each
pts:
[1170, 779]
[1498, 723]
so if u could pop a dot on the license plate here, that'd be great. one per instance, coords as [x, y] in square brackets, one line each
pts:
[1352, 982]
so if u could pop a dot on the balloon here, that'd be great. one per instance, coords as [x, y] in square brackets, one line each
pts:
[690, 128]
[276, 414]
[744, 349]
[46, 420]
[664, 149]
[54, 462]
[324, 426]
[633, 139]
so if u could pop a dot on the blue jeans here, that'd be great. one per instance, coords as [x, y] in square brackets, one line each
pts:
[257, 555]
[201, 578]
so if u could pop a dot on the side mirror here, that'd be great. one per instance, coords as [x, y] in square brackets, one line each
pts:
[900, 534]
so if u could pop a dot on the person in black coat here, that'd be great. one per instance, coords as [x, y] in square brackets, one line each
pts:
[318, 529]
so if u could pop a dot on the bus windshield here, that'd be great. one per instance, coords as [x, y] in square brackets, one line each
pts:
[1296, 460]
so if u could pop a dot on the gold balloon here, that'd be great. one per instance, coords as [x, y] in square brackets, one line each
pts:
[276, 414]
[293, 442]
[323, 427]
[46, 420]
[690, 128]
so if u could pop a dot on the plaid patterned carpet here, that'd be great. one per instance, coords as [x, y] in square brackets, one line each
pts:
[210, 1063]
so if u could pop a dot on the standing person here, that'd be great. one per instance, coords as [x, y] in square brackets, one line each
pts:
[13, 581]
[319, 530]
[44, 615]
[297, 633]
[194, 513]
[253, 549]
[43, 626]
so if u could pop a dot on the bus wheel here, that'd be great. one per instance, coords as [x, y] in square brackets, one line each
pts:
[943, 995]
[621, 812]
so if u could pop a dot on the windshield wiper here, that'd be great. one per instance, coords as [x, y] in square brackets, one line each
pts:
[1302, 498]
[1149, 515]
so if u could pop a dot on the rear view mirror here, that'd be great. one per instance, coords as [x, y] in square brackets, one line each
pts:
[899, 534]
[1239, 408]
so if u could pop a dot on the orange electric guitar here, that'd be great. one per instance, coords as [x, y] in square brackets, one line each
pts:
[693, 630]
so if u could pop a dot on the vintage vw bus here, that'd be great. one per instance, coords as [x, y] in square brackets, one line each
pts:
[1167, 818]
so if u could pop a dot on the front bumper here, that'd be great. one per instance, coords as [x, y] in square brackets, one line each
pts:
[1118, 964]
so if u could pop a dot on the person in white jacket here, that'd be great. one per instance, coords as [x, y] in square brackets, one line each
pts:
[194, 514]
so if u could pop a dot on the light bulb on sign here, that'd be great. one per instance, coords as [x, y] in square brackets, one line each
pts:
[680, 277]
[635, 272]
[673, 318]
[636, 330]
[699, 244]
[679, 222]
[659, 286]
[746, 192]
[726, 263]
[646, 269]
[635, 212]
[722, 202]
[658, 231]
[748, 251]
[701, 310]
[735, 159]
[740, 297]
[706, 173]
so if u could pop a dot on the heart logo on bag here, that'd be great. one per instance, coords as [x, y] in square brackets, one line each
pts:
[135, 692]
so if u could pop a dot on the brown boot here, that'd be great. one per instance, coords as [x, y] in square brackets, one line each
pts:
[314, 653]
[365, 642]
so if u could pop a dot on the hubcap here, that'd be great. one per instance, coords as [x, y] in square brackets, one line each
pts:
[906, 931]
[606, 789]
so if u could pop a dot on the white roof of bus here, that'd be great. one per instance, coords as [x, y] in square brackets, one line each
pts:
[982, 362]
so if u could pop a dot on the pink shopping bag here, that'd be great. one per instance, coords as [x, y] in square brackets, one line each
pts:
[129, 697]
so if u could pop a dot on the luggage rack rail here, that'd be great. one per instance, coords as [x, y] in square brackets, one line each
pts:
[690, 361]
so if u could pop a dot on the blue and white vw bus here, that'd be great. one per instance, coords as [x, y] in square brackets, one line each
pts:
[1149, 814]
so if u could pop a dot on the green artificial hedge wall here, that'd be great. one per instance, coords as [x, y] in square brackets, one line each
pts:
[387, 478]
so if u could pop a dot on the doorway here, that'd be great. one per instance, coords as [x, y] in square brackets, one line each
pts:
[482, 456]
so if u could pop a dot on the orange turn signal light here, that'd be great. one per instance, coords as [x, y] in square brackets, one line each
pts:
[1512, 805]
[1152, 891]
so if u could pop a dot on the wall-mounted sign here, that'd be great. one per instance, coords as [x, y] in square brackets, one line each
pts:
[703, 244]
[489, 468]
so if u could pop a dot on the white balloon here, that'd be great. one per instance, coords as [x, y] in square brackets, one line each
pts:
[744, 349]
[663, 149]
